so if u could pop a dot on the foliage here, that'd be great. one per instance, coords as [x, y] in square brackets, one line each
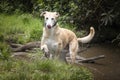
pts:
[117, 39]
[17, 6]
[41, 70]
[80, 12]
[107, 18]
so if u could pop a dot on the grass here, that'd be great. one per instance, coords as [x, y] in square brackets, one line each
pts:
[22, 29]
[41, 70]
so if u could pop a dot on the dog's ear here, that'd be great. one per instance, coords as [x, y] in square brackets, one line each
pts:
[43, 13]
[57, 14]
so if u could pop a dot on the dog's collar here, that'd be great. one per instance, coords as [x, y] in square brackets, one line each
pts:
[55, 24]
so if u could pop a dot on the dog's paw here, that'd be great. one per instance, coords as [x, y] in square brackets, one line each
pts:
[47, 54]
[44, 48]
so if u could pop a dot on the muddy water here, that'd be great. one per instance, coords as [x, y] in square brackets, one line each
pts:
[107, 68]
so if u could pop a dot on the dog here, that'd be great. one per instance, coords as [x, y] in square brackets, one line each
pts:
[55, 39]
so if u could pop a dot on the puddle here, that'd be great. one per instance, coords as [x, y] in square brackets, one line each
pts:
[107, 68]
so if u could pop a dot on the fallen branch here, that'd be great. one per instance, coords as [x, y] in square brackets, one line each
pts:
[80, 59]
[13, 45]
[28, 46]
[92, 59]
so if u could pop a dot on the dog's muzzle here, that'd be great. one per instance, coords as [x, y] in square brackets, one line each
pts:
[49, 26]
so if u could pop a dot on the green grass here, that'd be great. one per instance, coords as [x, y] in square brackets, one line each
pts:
[22, 29]
[41, 70]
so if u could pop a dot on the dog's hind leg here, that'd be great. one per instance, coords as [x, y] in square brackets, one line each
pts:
[73, 48]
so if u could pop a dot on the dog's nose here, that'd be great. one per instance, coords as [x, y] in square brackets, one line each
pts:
[49, 26]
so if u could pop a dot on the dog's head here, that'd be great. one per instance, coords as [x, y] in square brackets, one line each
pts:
[50, 19]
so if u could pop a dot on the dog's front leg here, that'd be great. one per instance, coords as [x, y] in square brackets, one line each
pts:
[44, 48]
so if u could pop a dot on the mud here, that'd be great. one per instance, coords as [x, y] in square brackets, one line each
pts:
[107, 68]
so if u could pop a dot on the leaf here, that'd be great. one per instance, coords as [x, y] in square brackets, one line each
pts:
[106, 21]
[103, 14]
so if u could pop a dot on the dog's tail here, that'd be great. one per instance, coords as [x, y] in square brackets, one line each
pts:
[89, 37]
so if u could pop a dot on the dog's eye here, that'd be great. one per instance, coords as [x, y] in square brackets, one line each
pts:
[52, 18]
[46, 18]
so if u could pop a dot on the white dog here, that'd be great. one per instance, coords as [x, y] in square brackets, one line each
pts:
[55, 39]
